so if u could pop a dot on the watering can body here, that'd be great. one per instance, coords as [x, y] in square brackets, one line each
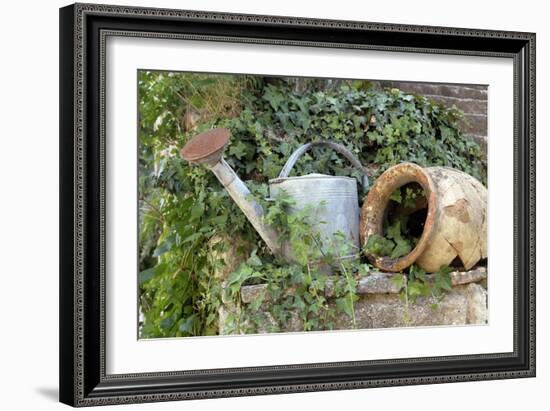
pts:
[333, 199]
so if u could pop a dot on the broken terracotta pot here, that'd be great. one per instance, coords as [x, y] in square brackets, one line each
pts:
[454, 228]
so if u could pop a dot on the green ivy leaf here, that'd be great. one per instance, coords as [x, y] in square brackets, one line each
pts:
[238, 149]
[345, 304]
[274, 98]
[378, 245]
[146, 275]
[186, 325]
[164, 247]
[402, 247]
[398, 280]
[254, 260]
[197, 211]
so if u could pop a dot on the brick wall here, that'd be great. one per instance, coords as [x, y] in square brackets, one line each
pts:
[472, 99]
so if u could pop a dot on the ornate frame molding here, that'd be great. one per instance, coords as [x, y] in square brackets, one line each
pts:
[82, 336]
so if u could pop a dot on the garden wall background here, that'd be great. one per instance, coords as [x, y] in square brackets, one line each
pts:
[472, 99]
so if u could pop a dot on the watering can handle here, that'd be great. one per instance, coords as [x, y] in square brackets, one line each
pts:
[336, 147]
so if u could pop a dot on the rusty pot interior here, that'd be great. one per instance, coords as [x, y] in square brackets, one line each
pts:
[378, 207]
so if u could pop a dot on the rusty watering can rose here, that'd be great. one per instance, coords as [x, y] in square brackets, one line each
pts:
[456, 217]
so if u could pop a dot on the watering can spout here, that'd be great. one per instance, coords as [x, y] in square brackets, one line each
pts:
[207, 149]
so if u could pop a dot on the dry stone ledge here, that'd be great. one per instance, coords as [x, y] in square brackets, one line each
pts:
[380, 306]
[374, 283]
[466, 277]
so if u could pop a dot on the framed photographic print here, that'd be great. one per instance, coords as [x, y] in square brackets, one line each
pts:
[260, 204]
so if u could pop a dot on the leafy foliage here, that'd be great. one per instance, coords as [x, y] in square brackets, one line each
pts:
[418, 284]
[184, 210]
[400, 232]
[296, 291]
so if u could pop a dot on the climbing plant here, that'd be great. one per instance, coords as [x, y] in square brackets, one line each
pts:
[184, 213]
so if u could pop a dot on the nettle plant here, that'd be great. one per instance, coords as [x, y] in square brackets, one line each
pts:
[184, 210]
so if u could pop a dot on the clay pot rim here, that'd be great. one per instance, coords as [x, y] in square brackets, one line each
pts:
[378, 199]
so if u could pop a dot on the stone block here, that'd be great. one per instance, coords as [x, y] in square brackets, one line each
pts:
[389, 311]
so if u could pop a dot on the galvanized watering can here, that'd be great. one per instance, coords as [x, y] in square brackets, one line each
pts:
[334, 198]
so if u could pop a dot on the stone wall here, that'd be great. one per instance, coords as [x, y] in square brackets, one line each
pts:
[470, 98]
[380, 306]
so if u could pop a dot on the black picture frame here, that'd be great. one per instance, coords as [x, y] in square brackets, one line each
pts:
[83, 29]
